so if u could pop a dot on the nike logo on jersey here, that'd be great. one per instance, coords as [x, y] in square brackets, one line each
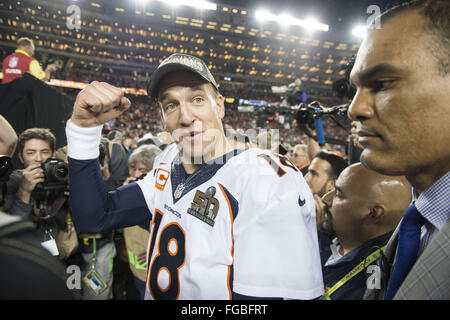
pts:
[205, 206]
[301, 201]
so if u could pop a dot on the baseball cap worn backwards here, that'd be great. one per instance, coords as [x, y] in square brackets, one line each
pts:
[176, 62]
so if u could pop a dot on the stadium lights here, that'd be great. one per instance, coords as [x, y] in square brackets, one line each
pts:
[200, 4]
[310, 23]
[359, 31]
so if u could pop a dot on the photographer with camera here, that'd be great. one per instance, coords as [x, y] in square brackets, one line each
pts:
[37, 192]
[27, 271]
[292, 94]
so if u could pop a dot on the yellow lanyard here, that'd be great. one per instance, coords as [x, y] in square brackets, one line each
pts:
[367, 261]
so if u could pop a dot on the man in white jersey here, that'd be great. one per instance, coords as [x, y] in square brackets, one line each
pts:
[226, 224]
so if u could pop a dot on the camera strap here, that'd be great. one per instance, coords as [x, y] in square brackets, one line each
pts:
[43, 212]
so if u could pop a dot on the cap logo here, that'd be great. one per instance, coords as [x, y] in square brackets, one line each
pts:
[188, 61]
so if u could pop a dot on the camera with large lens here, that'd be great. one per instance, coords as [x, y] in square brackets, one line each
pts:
[56, 173]
[307, 113]
[291, 93]
[342, 88]
[57, 63]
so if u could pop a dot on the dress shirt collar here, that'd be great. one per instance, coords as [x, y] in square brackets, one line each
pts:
[434, 202]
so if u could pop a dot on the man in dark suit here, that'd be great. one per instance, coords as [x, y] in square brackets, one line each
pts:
[402, 77]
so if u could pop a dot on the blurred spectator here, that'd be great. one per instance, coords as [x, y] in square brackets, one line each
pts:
[362, 209]
[21, 61]
[128, 144]
[354, 148]
[323, 171]
[115, 136]
[98, 250]
[116, 159]
[265, 140]
[136, 238]
[299, 156]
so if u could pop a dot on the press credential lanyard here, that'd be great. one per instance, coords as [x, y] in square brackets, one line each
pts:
[371, 258]
[95, 255]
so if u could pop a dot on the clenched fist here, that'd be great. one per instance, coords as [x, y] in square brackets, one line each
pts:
[97, 103]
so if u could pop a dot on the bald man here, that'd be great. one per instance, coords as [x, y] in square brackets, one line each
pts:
[300, 157]
[363, 209]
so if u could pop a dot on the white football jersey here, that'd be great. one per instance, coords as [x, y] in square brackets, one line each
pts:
[245, 224]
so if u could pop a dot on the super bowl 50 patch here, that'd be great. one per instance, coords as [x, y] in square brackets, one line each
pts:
[205, 206]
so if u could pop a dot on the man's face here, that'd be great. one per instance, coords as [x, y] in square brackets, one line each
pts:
[127, 142]
[192, 113]
[317, 176]
[35, 151]
[401, 101]
[345, 203]
[138, 169]
[299, 158]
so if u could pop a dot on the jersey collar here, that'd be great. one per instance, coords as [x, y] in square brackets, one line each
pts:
[23, 52]
[185, 183]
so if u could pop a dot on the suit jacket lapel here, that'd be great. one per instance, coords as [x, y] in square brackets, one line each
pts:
[429, 277]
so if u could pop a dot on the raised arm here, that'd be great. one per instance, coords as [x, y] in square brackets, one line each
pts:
[8, 138]
[94, 209]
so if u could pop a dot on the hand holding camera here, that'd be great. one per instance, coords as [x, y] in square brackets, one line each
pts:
[55, 176]
[31, 176]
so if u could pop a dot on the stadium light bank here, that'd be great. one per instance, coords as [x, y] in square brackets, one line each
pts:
[310, 23]
[359, 31]
[199, 4]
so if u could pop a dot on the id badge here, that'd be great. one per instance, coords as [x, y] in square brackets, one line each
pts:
[51, 246]
[94, 282]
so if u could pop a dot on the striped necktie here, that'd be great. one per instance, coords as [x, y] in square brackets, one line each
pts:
[408, 247]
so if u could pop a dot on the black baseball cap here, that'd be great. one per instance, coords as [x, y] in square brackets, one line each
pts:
[176, 62]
